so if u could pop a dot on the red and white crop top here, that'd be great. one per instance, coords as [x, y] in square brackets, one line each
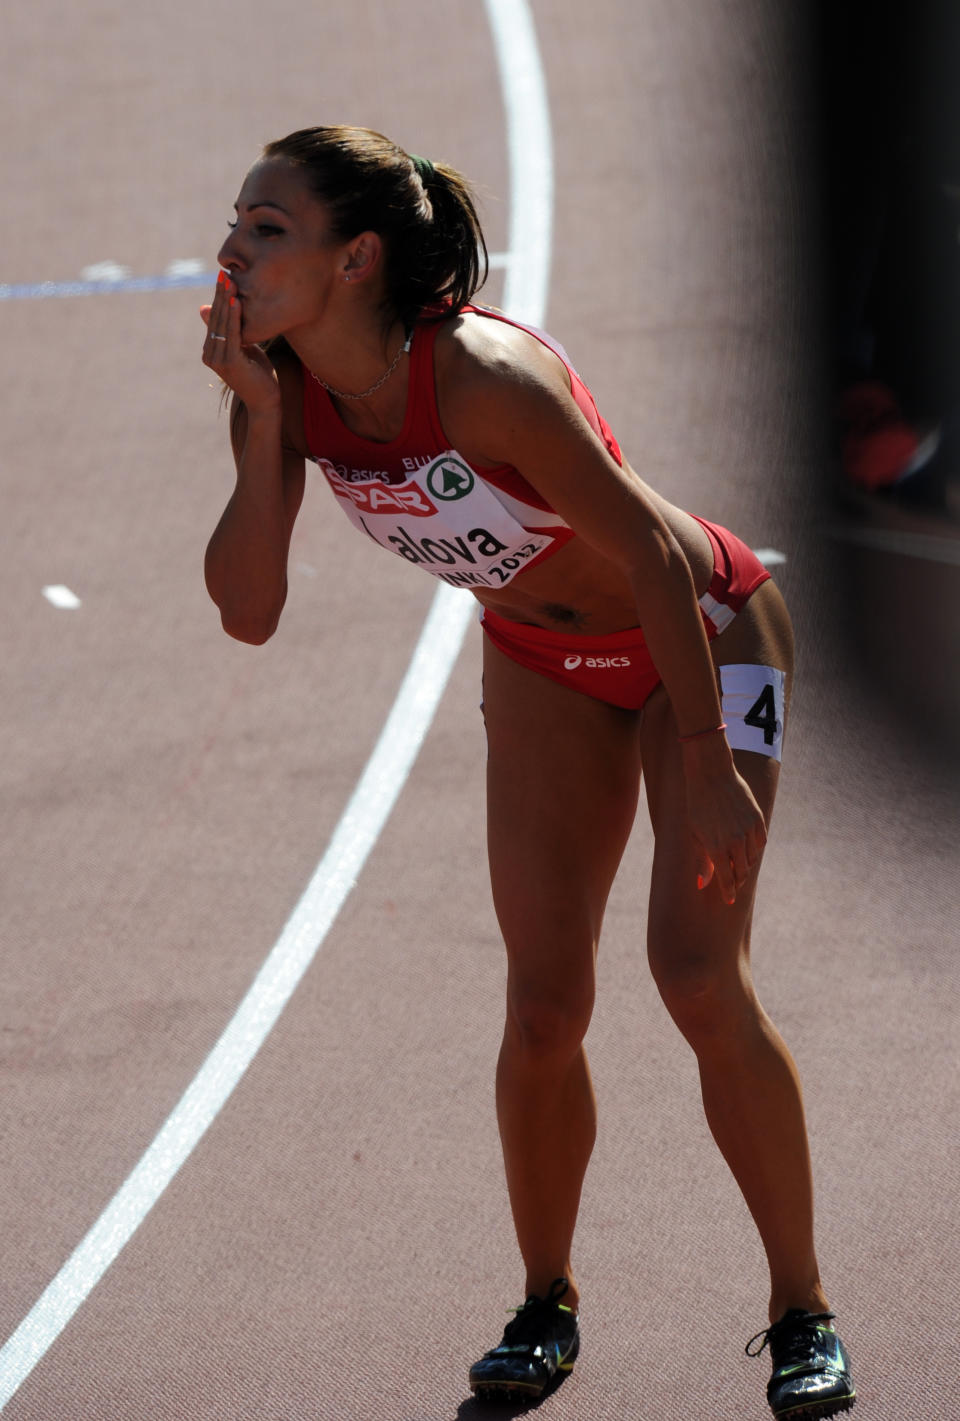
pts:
[417, 497]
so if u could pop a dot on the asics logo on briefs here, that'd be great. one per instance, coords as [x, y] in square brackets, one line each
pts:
[596, 663]
[449, 480]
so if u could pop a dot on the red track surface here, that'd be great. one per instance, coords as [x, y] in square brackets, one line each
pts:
[339, 1245]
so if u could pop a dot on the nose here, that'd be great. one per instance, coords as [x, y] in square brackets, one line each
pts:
[228, 257]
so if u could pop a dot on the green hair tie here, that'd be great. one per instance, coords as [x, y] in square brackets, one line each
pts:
[424, 167]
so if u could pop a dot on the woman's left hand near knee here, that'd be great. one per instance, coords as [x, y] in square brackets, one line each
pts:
[728, 826]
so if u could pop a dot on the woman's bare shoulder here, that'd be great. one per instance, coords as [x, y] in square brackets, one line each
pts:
[473, 346]
[489, 376]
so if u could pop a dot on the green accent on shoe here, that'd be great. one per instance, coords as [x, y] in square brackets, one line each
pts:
[542, 1340]
[811, 1377]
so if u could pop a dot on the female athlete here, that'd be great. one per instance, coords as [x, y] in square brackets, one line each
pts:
[620, 632]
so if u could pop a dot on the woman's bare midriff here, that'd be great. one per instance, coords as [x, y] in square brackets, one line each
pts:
[578, 590]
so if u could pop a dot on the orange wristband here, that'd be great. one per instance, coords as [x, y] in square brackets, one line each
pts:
[699, 734]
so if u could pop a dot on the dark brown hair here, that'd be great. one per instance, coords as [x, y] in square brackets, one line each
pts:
[423, 211]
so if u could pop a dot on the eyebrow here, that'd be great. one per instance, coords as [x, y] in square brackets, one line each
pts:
[254, 205]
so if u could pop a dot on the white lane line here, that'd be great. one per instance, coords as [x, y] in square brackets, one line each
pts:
[372, 801]
[353, 839]
[59, 596]
[909, 545]
[186, 266]
[105, 271]
[531, 160]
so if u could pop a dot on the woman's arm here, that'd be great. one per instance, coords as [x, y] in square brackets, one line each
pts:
[499, 409]
[246, 561]
[520, 411]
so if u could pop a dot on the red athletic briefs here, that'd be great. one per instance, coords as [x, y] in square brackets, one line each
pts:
[618, 668]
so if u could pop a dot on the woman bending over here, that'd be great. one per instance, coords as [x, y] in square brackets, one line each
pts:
[624, 638]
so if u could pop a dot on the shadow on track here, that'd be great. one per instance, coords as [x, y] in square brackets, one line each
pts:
[474, 1410]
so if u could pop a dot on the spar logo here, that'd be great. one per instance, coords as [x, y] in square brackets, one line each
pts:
[596, 663]
[449, 479]
[376, 497]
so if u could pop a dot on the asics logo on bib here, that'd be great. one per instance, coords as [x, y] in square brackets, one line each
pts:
[596, 663]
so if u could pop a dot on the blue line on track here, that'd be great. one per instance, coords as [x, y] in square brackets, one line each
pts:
[44, 290]
[40, 291]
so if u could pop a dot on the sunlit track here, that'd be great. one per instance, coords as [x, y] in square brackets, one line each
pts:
[339, 1244]
[527, 271]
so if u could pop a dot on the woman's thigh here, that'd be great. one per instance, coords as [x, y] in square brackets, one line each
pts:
[563, 780]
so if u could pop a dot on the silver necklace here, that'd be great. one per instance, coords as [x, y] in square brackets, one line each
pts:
[343, 395]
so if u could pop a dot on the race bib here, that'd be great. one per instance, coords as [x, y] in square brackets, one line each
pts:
[446, 520]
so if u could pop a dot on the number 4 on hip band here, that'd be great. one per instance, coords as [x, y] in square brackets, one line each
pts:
[753, 707]
[763, 714]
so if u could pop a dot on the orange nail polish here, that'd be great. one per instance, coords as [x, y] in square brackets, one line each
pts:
[233, 300]
[700, 880]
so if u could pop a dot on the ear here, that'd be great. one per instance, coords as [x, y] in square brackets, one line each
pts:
[363, 256]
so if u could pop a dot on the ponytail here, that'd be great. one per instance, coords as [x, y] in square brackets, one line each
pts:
[436, 256]
[444, 262]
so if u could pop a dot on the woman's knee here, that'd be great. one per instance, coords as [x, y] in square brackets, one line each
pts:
[546, 1024]
[709, 995]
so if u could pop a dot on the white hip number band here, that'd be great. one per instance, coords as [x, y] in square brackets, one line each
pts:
[753, 707]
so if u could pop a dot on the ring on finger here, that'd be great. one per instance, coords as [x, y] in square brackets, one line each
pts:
[216, 337]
